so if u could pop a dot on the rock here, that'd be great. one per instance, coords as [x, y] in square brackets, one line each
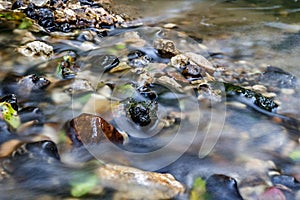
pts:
[39, 2]
[272, 193]
[138, 58]
[41, 150]
[276, 77]
[142, 112]
[201, 61]
[179, 61]
[8, 146]
[132, 183]
[253, 99]
[288, 181]
[192, 72]
[79, 86]
[170, 25]
[166, 48]
[223, 187]
[91, 129]
[36, 49]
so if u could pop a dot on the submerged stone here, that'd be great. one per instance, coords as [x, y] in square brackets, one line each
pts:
[89, 129]
[251, 98]
[138, 58]
[141, 112]
[276, 77]
[223, 187]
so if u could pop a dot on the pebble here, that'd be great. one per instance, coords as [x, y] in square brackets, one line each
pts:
[223, 187]
[37, 49]
[170, 25]
[132, 183]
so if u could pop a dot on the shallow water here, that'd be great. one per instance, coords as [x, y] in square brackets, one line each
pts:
[229, 138]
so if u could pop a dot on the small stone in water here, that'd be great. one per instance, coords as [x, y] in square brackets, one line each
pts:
[43, 149]
[170, 25]
[166, 48]
[138, 59]
[272, 193]
[274, 76]
[88, 128]
[223, 187]
[192, 72]
[288, 181]
[36, 48]
[141, 112]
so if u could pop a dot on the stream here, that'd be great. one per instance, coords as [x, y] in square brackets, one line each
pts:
[159, 117]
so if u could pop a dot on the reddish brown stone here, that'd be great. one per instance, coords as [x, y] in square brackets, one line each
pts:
[89, 128]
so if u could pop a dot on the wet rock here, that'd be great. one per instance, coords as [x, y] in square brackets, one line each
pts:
[120, 67]
[12, 99]
[188, 68]
[276, 77]
[79, 86]
[33, 83]
[141, 112]
[192, 72]
[286, 180]
[223, 187]
[37, 49]
[67, 16]
[272, 193]
[17, 4]
[39, 2]
[132, 183]
[250, 98]
[146, 92]
[138, 58]
[201, 61]
[170, 25]
[44, 150]
[67, 68]
[88, 128]
[179, 61]
[31, 113]
[166, 48]
[9, 145]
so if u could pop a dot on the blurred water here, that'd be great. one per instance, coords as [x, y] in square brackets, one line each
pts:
[261, 33]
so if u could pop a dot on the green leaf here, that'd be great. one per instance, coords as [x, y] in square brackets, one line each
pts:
[198, 191]
[25, 24]
[82, 183]
[295, 155]
[10, 115]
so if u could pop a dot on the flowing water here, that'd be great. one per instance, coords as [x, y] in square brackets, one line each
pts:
[244, 37]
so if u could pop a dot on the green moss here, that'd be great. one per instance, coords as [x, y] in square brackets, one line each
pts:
[19, 18]
[250, 96]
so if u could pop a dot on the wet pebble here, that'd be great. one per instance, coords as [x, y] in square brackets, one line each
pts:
[36, 48]
[286, 180]
[166, 48]
[141, 112]
[132, 183]
[272, 193]
[277, 77]
[91, 129]
[43, 150]
[31, 113]
[223, 187]
[138, 58]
